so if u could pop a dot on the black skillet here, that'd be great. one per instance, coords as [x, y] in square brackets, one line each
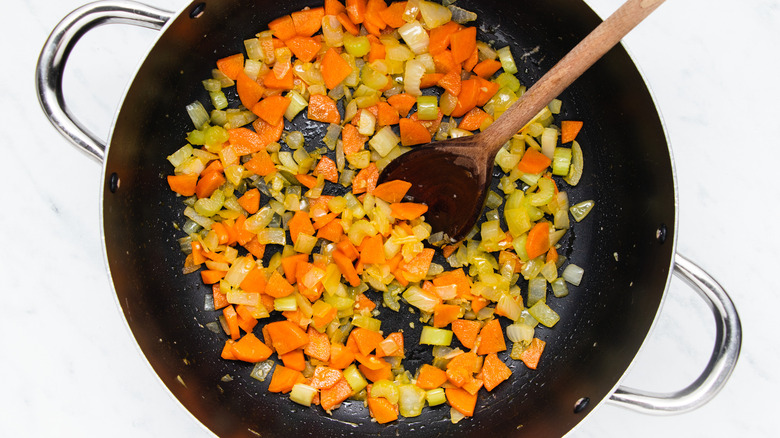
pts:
[603, 321]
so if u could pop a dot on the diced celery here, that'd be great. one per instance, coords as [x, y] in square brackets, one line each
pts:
[357, 46]
[555, 106]
[581, 209]
[561, 161]
[427, 108]
[355, 379]
[545, 193]
[387, 389]
[303, 394]
[435, 397]
[284, 304]
[507, 60]
[197, 114]
[372, 78]
[549, 141]
[509, 81]
[518, 221]
[367, 322]
[435, 336]
[180, 155]
[575, 171]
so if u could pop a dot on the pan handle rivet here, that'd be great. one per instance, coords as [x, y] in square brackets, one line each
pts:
[581, 404]
[197, 10]
[660, 234]
[113, 182]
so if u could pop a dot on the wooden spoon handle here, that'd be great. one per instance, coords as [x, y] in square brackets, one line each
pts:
[574, 64]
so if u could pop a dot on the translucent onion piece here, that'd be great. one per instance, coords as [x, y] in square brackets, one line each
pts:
[261, 370]
[544, 314]
[581, 209]
[435, 336]
[198, 114]
[411, 398]
[460, 15]
[573, 274]
[303, 394]
[415, 36]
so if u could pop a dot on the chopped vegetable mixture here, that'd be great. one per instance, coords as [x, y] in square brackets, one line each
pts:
[262, 231]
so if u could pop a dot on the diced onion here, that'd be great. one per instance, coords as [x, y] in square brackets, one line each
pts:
[520, 332]
[549, 141]
[413, 73]
[415, 36]
[581, 209]
[544, 314]
[537, 290]
[411, 397]
[460, 15]
[435, 336]
[559, 287]
[434, 14]
[355, 379]
[573, 274]
[198, 114]
[303, 394]
[384, 141]
[261, 370]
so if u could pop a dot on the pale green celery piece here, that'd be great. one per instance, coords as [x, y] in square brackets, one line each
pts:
[210, 206]
[212, 85]
[218, 117]
[297, 104]
[518, 221]
[196, 137]
[215, 135]
[544, 314]
[355, 379]
[555, 106]
[357, 46]
[435, 397]
[581, 209]
[545, 193]
[507, 60]
[284, 304]
[435, 336]
[427, 107]
[509, 81]
[387, 389]
[366, 322]
[180, 155]
[561, 161]
[575, 171]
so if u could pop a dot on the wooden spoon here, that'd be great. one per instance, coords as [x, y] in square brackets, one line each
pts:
[453, 176]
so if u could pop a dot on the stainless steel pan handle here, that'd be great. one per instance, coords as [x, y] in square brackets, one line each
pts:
[55, 53]
[728, 341]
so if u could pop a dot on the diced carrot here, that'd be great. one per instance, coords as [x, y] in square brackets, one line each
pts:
[307, 22]
[268, 133]
[261, 164]
[533, 161]
[271, 109]
[254, 281]
[356, 10]
[250, 201]
[463, 43]
[474, 119]
[393, 345]
[352, 140]
[458, 376]
[286, 82]
[227, 350]
[246, 319]
[209, 182]
[472, 60]
[384, 373]
[494, 371]
[386, 114]
[318, 346]
[538, 241]
[327, 168]
[283, 27]
[251, 349]
[283, 379]
[467, 99]
[334, 68]
[334, 7]
[456, 277]
[466, 331]
[286, 336]
[469, 361]
[491, 338]
[382, 410]
[461, 400]
[220, 299]
[486, 68]
[348, 249]
[232, 65]
[377, 51]
[349, 26]
[323, 109]
[444, 62]
[183, 184]
[393, 14]
[210, 276]
[331, 231]
[487, 89]
[249, 91]
[444, 314]
[340, 356]
[402, 102]
[300, 223]
[367, 340]
[418, 266]
[372, 250]
[294, 360]
[307, 181]
[365, 180]
[407, 211]
[430, 79]
[392, 191]
[430, 377]
[531, 355]
[331, 397]
[472, 386]
[451, 82]
[347, 268]
[413, 133]
[325, 377]
[552, 255]
[231, 317]
[569, 130]
[245, 141]
[439, 38]
[290, 266]
[277, 286]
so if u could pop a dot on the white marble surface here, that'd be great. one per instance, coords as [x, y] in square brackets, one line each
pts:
[71, 368]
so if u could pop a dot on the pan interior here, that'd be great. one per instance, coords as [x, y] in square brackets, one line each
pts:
[628, 172]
